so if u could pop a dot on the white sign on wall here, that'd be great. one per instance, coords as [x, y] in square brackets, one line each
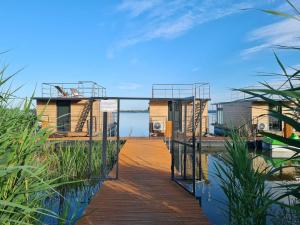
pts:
[108, 105]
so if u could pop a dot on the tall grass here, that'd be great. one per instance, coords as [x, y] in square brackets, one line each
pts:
[243, 185]
[249, 200]
[20, 180]
[32, 169]
[70, 160]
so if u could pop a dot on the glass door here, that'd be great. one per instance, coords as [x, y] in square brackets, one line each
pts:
[63, 116]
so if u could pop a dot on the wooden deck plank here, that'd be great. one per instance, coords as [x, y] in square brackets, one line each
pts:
[144, 193]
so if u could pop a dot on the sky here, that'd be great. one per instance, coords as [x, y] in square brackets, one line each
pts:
[128, 45]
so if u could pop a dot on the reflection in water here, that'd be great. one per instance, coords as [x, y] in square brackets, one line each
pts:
[71, 202]
[211, 197]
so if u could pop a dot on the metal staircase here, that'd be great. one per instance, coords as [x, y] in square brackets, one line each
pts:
[199, 109]
[83, 116]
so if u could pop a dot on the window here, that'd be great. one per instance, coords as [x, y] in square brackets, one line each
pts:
[274, 123]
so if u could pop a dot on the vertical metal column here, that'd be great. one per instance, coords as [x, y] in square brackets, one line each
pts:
[185, 140]
[172, 143]
[194, 149]
[91, 138]
[199, 144]
[118, 138]
[104, 145]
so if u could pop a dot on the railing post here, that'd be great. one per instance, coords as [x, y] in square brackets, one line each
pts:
[199, 144]
[194, 149]
[172, 143]
[184, 150]
[91, 138]
[118, 138]
[104, 145]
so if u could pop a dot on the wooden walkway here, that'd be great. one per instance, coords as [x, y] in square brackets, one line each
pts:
[144, 193]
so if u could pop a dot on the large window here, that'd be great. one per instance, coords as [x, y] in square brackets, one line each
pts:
[274, 123]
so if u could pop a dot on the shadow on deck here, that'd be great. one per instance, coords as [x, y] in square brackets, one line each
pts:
[144, 192]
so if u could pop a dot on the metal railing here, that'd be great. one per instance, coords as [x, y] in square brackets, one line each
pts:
[197, 90]
[81, 89]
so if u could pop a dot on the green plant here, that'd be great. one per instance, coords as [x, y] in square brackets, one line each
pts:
[286, 96]
[244, 186]
[23, 187]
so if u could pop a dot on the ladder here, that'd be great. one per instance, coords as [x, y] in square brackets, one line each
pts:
[199, 109]
[83, 116]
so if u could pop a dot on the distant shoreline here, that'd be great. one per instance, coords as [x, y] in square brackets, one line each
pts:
[134, 111]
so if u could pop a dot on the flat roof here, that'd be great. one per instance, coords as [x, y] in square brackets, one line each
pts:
[112, 98]
[247, 100]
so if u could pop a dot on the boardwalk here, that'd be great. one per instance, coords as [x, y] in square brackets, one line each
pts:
[144, 193]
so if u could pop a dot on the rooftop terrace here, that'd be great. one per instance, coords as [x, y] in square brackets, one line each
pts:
[81, 89]
[198, 90]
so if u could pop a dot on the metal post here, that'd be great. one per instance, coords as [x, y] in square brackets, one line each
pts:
[172, 147]
[199, 145]
[118, 138]
[184, 150]
[104, 145]
[179, 159]
[91, 138]
[194, 149]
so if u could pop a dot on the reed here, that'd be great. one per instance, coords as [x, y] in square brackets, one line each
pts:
[244, 186]
[70, 160]
[23, 186]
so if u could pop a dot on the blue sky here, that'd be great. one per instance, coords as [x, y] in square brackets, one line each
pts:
[128, 45]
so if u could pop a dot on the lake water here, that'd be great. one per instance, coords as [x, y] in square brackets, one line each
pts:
[134, 124]
[137, 124]
[211, 198]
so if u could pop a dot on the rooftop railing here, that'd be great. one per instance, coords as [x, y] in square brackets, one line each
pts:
[197, 90]
[81, 89]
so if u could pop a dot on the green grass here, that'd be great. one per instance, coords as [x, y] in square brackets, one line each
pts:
[244, 186]
[32, 169]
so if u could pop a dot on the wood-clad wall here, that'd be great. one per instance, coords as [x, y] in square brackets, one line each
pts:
[236, 114]
[259, 113]
[48, 114]
[158, 111]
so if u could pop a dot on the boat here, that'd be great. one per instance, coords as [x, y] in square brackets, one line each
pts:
[279, 149]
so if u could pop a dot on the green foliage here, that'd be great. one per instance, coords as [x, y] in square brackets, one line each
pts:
[20, 180]
[32, 169]
[70, 160]
[244, 186]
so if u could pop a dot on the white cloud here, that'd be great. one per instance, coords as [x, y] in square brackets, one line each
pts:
[159, 19]
[137, 7]
[285, 32]
[129, 86]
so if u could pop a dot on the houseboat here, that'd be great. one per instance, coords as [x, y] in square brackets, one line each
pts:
[161, 108]
[68, 108]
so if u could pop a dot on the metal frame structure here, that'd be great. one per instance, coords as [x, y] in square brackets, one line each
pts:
[183, 140]
[175, 93]
[85, 89]
[197, 90]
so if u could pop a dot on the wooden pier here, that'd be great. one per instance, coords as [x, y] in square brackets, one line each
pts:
[144, 192]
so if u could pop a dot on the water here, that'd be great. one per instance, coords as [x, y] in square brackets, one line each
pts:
[71, 202]
[211, 197]
[134, 124]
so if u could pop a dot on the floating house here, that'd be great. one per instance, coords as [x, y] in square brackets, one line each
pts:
[161, 108]
[251, 114]
[67, 108]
